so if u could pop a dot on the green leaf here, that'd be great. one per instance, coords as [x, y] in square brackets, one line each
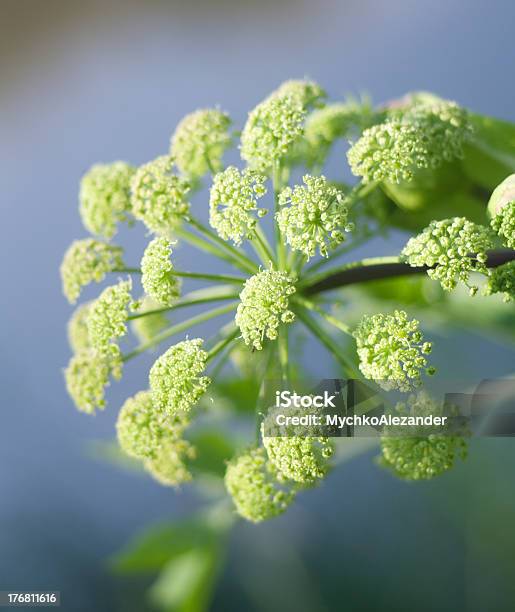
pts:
[214, 449]
[187, 581]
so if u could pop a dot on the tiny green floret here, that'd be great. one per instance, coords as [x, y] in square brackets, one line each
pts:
[233, 200]
[86, 261]
[421, 452]
[78, 336]
[108, 316]
[169, 466]
[199, 142]
[87, 375]
[104, 197]
[392, 350]
[502, 280]
[453, 249]
[503, 222]
[271, 130]
[158, 278]
[159, 197]
[308, 93]
[264, 306]
[313, 215]
[252, 483]
[175, 378]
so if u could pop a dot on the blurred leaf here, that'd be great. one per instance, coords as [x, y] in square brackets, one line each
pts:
[214, 449]
[186, 583]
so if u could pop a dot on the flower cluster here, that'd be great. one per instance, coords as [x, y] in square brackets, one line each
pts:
[147, 327]
[264, 306]
[392, 350]
[452, 249]
[502, 280]
[271, 130]
[199, 142]
[86, 261]
[308, 93]
[175, 378]
[105, 197]
[86, 377]
[313, 215]
[78, 336]
[158, 279]
[252, 483]
[169, 467]
[427, 451]
[423, 137]
[297, 454]
[232, 202]
[159, 197]
[108, 315]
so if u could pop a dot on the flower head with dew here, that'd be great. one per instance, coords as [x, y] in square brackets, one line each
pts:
[108, 316]
[158, 279]
[264, 306]
[86, 261]
[251, 481]
[501, 209]
[87, 375]
[159, 197]
[420, 451]
[271, 130]
[148, 327]
[142, 430]
[453, 249]
[308, 93]
[199, 142]
[502, 280]
[233, 203]
[297, 452]
[423, 137]
[78, 336]
[313, 216]
[391, 350]
[176, 379]
[104, 197]
[169, 466]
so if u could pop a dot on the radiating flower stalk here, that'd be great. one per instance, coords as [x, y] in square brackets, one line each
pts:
[269, 292]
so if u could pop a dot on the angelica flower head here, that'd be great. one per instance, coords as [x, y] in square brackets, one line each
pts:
[297, 454]
[313, 215]
[148, 327]
[169, 466]
[271, 130]
[176, 379]
[421, 452]
[392, 350]
[252, 483]
[86, 261]
[502, 280]
[158, 279]
[141, 429]
[264, 306]
[78, 337]
[501, 208]
[159, 197]
[200, 140]
[87, 375]
[232, 202]
[453, 249]
[104, 197]
[308, 93]
[108, 316]
[423, 137]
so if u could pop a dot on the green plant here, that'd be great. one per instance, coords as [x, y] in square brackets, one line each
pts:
[425, 165]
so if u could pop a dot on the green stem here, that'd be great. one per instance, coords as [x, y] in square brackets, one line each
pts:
[277, 185]
[192, 299]
[221, 344]
[326, 315]
[314, 279]
[223, 278]
[127, 270]
[263, 246]
[282, 345]
[239, 257]
[319, 332]
[338, 252]
[206, 246]
[179, 327]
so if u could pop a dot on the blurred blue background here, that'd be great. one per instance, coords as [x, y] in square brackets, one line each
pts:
[104, 80]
